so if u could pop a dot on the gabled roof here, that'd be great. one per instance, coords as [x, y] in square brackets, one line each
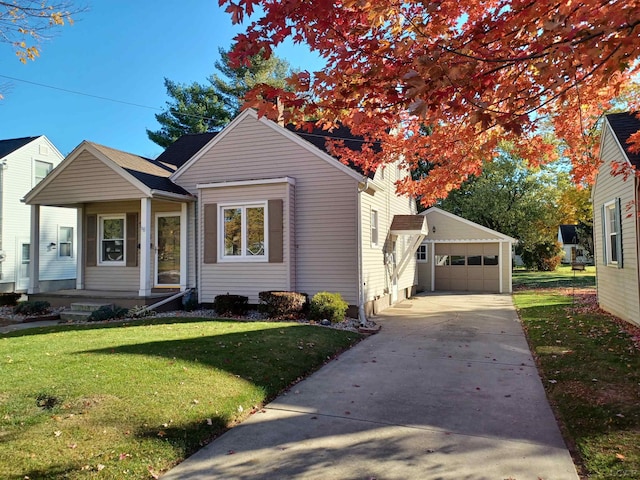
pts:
[569, 234]
[318, 137]
[409, 225]
[13, 144]
[464, 221]
[623, 126]
[133, 162]
[185, 147]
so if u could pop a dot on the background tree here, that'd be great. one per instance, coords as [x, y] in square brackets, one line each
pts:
[25, 23]
[478, 72]
[527, 204]
[199, 108]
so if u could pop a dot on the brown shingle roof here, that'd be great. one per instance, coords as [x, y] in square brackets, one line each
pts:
[133, 162]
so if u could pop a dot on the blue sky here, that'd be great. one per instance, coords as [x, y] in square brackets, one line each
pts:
[118, 49]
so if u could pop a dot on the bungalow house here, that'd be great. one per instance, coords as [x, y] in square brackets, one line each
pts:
[25, 162]
[254, 207]
[461, 255]
[616, 223]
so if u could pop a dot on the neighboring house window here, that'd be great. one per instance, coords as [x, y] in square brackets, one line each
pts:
[421, 253]
[244, 232]
[41, 170]
[65, 242]
[112, 235]
[612, 235]
[374, 227]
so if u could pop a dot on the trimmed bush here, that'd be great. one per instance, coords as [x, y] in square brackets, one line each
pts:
[282, 304]
[32, 308]
[328, 305]
[9, 299]
[231, 304]
[107, 313]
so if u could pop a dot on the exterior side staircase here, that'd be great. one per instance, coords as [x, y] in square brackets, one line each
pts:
[81, 311]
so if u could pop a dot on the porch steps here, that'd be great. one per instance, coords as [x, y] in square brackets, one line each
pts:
[81, 311]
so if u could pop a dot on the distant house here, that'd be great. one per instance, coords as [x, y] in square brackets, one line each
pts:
[255, 207]
[573, 250]
[460, 255]
[25, 162]
[616, 221]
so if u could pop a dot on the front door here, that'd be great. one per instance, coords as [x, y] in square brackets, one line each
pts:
[22, 270]
[168, 250]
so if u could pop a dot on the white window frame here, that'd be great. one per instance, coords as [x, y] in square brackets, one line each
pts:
[101, 220]
[610, 209]
[243, 257]
[36, 179]
[61, 242]
[375, 227]
[421, 253]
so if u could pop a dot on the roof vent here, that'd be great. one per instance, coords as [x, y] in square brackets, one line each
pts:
[44, 150]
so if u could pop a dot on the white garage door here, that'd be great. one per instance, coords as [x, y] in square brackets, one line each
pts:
[469, 267]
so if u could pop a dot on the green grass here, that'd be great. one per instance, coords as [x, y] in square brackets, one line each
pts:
[562, 277]
[591, 371]
[132, 400]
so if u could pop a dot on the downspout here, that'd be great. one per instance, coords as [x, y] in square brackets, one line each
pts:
[3, 165]
[361, 314]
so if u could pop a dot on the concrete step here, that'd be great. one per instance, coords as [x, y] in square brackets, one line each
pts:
[89, 306]
[74, 315]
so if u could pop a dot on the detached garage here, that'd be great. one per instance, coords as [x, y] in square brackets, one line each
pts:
[460, 255]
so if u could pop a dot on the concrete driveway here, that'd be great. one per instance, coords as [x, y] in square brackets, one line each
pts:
[447, 390]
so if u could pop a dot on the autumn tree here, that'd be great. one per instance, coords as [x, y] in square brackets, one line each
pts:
[477, 72]
[25, 23]
[199, 108]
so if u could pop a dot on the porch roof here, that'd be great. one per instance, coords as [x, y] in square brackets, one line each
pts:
[409, 225]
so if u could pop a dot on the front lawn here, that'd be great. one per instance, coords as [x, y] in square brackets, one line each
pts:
[132, 400]
[563, 276]
[590, 366]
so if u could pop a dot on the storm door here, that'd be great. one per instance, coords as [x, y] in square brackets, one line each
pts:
[168, 250]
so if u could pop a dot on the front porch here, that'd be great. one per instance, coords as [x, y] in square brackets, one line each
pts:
[125, 299]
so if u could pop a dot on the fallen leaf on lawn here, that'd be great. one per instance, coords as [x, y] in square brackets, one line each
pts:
[152, 473]
[57, 433]
[124, 456]
[619, 456]
[72, 446]
[209, 421]
[100, 467]
[162, 433]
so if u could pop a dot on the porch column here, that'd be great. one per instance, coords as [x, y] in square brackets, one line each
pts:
[34, 251]
[145, 247]
[80, 248]
[184, 247]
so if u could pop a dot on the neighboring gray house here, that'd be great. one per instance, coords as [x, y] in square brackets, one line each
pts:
[572, 249]
[460, 255]
[616, 223]
[24, 162]
[255, 207]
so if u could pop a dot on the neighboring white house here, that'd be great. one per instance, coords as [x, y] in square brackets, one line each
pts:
[24, 162]
[255, 207]
[616, 225]
[572, 249]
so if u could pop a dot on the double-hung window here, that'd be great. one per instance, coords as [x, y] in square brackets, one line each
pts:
[374, 227]
[65, 242]
[40, 170]
[112, 236]
[244, 232]
[612, 240]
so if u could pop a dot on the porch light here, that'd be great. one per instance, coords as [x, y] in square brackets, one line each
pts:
[433, 229]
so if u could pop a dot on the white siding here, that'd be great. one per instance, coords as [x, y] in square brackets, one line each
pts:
[618, 290]
[17, 180]
[377, 275]
[322, 208]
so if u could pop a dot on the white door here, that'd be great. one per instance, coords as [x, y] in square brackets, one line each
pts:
[22, 268]
[394, 275]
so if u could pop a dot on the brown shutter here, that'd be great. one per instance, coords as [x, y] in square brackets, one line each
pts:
[210, 233]
[275, 231]
[91, 245]
[132, 239]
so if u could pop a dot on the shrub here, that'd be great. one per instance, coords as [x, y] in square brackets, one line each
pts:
[328, 305]
[107, 312]
[543, 256]
[9, 299]
[231, 304]
[282, 304]
[32, 308]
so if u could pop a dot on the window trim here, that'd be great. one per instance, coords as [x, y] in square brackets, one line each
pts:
[374, 227]
[611, 212]
[264, 258]
[422, 250]
[112, 263]
[70, 242]
[35, 163]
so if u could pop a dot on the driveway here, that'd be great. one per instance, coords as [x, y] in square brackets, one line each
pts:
[447, 390]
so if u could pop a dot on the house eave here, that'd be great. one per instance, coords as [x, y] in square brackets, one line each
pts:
[172, 196]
